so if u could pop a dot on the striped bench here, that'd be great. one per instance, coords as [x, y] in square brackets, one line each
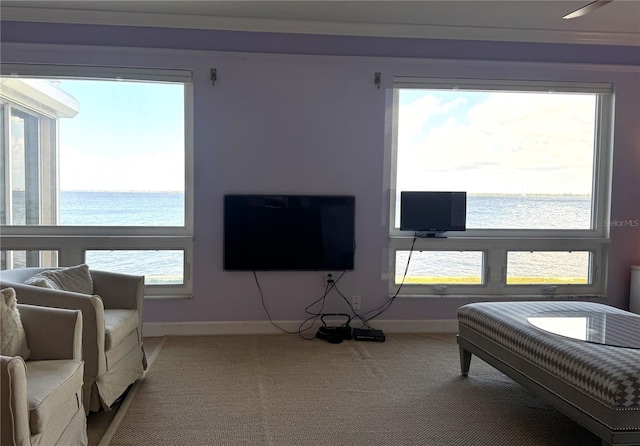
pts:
[596, 385]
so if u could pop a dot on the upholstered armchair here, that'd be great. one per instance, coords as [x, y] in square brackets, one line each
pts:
[41, 400]
[112, 334]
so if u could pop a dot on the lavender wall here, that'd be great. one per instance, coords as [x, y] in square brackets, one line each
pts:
[282, 43]
[315, 123]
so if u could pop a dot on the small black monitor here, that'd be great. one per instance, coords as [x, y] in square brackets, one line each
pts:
[433, 211]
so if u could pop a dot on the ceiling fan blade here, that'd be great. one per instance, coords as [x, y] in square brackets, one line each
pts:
[587, 9]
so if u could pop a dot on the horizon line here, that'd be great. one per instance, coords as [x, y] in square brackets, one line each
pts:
[124, 190]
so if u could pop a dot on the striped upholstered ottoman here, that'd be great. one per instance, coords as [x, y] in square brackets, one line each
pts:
[596, 384]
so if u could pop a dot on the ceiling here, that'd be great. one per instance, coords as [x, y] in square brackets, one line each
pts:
[617, 23]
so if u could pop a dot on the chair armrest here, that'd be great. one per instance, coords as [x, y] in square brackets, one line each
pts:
[52, 333]
[14, 410]
[119, 291]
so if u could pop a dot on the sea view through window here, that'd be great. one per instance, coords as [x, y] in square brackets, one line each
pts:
[97, 163]
[531, 157]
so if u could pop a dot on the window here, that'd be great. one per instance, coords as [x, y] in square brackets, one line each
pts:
[160, 267]
[439, 267]
[24, 258]
[95, 166]
[548, 267]
[28, 165]
[534, 160]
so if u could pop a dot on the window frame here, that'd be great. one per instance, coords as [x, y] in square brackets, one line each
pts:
[72, 242]
[496, 243]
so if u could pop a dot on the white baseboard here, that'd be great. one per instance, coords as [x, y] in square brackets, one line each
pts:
[153, 329]
[417, 326]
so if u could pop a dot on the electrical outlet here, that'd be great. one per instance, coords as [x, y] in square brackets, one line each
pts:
[356, 302]
[328, 278]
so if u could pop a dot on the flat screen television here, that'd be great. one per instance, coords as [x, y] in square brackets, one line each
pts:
[433, 211]
[289, 232]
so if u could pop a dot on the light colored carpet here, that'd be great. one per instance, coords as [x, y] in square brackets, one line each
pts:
[281, 390]
[98, 423]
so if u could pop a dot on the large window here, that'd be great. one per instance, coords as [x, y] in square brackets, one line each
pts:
[96, 168]
[534, 160]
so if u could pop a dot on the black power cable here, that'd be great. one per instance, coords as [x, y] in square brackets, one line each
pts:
[255, 276]
[313, 315]
[385, 306]
[332, 285]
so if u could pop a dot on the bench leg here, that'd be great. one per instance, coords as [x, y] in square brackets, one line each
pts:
[465, 361]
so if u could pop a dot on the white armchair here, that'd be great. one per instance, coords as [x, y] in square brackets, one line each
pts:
[112, 334]
[42, 396]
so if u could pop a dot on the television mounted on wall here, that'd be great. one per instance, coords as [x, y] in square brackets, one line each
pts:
[434, 212]
[289, 232]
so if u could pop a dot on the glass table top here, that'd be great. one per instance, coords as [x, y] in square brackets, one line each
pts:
[617, 330]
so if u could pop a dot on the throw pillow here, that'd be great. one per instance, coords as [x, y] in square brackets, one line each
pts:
[12, 335]
[43, 282]
[75, 278]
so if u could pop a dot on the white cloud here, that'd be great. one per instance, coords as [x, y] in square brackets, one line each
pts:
[511, 142]
[415, 115]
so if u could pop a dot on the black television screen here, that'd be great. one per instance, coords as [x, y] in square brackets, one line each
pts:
[289, 232]
[433, 211]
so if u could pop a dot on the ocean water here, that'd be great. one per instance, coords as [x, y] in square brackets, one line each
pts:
[117, 209]
[122, 208]
[511, 212]
[526, 212]
[531, 212]
[167, 209]
[129, 209]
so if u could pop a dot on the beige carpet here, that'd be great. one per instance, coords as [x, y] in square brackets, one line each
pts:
[281, 390]
[99, 423]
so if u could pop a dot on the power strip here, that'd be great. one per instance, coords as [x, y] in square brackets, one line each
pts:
[368, 334]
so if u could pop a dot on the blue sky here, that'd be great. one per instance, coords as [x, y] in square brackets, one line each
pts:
[126, 136]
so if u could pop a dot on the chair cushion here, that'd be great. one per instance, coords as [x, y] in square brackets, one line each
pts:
[50, 386]
[117, 325]
[12, 334]
[75, 278]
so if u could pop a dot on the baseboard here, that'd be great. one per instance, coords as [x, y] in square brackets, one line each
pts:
[417, 326]
[153, 329]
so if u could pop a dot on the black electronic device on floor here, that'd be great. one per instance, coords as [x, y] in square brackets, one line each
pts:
[334, 334]
[368, 334]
